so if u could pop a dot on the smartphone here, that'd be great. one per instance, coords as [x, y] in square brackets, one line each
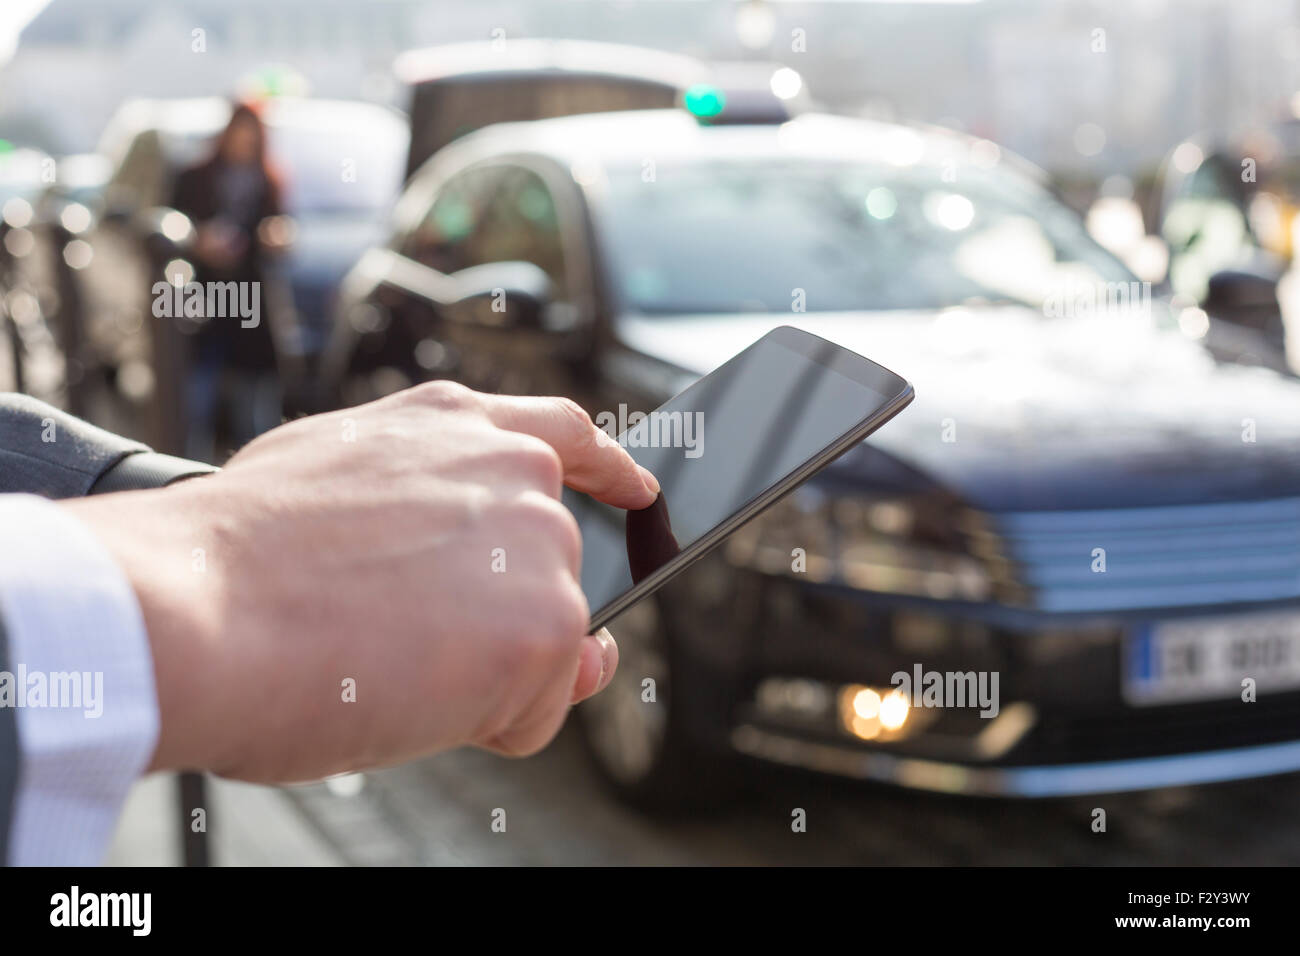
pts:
[725, 449]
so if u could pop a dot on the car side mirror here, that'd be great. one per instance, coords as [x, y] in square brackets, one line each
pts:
[1246, 298]
[1239, 288]
[507, 295]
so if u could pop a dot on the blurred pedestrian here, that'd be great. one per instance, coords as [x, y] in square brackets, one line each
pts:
[234, 199]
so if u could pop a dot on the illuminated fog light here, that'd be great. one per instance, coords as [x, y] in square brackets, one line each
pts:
[866, 703]
[866, 714]
[894, 709]
[859, 711]
[864, 728]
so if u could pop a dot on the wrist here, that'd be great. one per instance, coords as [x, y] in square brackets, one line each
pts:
[167, 554]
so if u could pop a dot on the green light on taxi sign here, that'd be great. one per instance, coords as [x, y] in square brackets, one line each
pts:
[704, 101]
[271, 81]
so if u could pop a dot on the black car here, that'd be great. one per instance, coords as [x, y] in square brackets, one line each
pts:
[1095, 497]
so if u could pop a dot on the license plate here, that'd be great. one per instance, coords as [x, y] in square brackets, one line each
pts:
[1208, 658]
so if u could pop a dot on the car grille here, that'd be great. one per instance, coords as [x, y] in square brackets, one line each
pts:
[1180, 556]
[1123, 734]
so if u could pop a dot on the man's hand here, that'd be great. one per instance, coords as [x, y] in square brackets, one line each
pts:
[411, 554]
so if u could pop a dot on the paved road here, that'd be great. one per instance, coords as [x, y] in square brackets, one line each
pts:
[440, 811]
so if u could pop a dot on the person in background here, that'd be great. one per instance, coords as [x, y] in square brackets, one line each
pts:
[234, 199]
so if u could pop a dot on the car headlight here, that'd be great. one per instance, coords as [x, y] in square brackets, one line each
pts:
[913, 545]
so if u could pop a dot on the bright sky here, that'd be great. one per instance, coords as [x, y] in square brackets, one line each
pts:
[14, 15]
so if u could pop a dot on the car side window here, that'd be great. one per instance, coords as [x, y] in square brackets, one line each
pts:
[487, 214]
[443, 238]
[520, 222]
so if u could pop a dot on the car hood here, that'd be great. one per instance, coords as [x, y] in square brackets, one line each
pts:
[1014, 411]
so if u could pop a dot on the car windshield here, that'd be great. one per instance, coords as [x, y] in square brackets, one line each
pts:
[766, 236]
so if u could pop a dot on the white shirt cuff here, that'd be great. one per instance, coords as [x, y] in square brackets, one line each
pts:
[82, 681]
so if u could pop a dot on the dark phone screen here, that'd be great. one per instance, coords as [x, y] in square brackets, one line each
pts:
[721, 443]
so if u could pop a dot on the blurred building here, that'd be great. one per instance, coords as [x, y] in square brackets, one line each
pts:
[78, 59]
[1083, 88]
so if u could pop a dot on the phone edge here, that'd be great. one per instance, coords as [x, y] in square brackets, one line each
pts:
[712, 539]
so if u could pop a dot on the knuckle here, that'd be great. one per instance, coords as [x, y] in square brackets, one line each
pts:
[568, 614]
[556, 622]
[539, 647]
[555, 521]
[539, 461]
[444, 395]
[575, 417]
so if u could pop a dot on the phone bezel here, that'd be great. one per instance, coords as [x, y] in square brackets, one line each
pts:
[865, 372]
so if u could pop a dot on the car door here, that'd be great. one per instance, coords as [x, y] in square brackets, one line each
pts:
[524, 217]
[386, 335]
[490, 212]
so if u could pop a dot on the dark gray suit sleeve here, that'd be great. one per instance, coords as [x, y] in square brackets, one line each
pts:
[8, 758]
[45, 451]
[48, 452]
